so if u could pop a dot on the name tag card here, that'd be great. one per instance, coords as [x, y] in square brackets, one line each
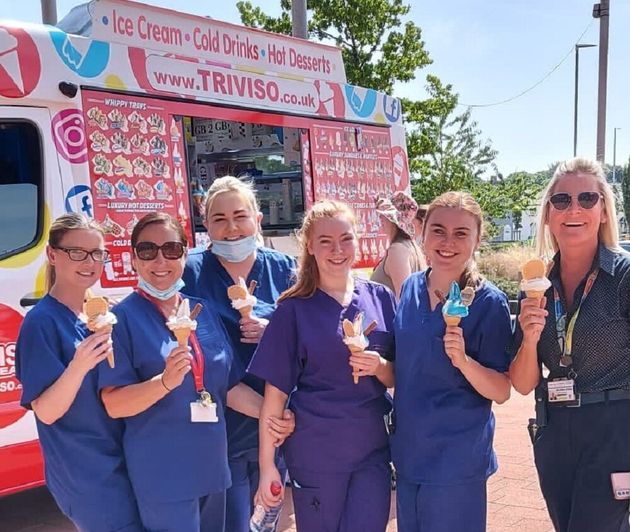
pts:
[200, 413]
[561, 390]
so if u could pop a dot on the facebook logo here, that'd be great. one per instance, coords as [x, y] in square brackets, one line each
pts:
[79, 200]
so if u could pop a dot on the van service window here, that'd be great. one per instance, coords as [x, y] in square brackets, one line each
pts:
[21, 182]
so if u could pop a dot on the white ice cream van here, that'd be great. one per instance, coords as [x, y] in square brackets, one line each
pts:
[141, 115]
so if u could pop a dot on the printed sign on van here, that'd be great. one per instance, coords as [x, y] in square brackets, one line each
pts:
[135, 154]
[142, 26]
[11, 320]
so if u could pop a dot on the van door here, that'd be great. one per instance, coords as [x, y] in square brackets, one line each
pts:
[30, 196]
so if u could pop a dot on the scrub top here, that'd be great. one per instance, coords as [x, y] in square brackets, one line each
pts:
[339, 425]
[444, 428]
[83, 449]
[207, 279]
[169, 457]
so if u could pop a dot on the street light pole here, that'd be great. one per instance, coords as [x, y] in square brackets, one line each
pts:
[299, 19]
[602, 12]
[614, 176]
[575, 106]
[49, 12]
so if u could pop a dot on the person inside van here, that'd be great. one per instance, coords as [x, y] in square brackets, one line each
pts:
[56, 360]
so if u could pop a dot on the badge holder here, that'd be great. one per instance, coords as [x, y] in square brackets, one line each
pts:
[204, 409]
[562, 391]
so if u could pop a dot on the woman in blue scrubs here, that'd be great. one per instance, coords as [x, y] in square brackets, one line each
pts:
[447, 379]
[56, 357]
[174, 439]
[233, 222]
[338, 456]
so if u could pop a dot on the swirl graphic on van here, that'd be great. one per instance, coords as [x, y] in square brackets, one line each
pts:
[361, 101]
[69, 134]
[85, 57]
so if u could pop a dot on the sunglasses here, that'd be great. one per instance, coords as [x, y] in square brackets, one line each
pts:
[149, 250]
[586, 200]
[79, 255]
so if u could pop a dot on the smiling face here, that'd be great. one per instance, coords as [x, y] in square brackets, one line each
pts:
[333, 244]
[576, 226]
[231, 217]
[82, 274]
[160, 272]
[450, 239]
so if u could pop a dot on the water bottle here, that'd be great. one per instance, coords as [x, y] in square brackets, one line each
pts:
[266, 520]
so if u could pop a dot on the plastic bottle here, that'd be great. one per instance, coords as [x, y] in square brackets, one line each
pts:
[266, 520]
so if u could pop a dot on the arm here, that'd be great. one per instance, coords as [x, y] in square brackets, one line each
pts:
[133, 399]
[273, 404]
[397, 266]
[55, 401]
[525, 369]
[245, 400]
[489, 383]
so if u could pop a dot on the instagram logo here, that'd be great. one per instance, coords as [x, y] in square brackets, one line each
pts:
[69, 134]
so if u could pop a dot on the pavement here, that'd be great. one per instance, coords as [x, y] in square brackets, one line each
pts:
[514, 498]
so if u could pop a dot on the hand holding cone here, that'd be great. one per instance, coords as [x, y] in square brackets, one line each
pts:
[99, 318]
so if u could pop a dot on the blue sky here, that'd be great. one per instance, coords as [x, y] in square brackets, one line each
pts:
[492, 50]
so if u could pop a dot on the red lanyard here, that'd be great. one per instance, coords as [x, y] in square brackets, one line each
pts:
[198, 362]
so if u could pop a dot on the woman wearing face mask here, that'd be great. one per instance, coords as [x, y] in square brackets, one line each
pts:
[580, 332]
[338, 457]
[233, 223]
[447, 378]
[174, 440]
[55, 361]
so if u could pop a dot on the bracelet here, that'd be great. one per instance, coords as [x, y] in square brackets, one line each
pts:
[165, 386]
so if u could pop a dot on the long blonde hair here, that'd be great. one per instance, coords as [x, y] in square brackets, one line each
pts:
[62, 225]
[307, 276]
[465, 202]
[546, 243]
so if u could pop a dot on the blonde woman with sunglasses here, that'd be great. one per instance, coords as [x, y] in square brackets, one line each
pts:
[573, 348]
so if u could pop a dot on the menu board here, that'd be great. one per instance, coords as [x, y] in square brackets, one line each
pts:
[354, 164]
[136, 166]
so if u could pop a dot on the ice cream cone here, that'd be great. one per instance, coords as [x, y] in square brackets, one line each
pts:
[246, 312]
[535, 294]
[452, 321]
[182, 334]
[110, 359]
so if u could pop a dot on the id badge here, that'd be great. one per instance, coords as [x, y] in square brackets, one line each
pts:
[200, 413]
[621, 485]
[561, 390]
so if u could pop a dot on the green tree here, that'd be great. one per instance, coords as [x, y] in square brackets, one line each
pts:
[378, 48]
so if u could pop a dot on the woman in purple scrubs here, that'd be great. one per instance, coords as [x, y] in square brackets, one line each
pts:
[338, 456]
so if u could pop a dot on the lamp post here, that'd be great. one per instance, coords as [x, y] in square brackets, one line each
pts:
[575, 107]
[614, 176]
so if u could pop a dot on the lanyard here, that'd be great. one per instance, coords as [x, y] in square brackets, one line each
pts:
[564, 332]
[197, 363]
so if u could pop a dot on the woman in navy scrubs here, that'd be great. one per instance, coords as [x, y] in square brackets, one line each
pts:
[174, 441]
[56, 357]
[338, 456]
[233, 222]
[581, 333]
[447, 379]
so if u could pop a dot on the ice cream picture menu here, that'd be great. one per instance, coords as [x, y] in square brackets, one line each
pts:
[136, 166]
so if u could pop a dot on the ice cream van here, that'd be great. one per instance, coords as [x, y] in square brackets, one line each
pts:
[127, 108]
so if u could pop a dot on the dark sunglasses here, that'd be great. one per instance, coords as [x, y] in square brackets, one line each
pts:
[79, 255]
[586, 200]
[149, 250]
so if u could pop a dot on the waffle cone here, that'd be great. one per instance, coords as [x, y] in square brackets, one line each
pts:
[182, 334]
[452, 321]
[246, 312]
[110, 360]
[355, 377]
[535, 294]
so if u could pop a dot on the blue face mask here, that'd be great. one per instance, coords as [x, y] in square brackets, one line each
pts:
[162, 295]
[234, 250]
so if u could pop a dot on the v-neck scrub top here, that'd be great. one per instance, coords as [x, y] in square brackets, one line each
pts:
[206, 278]
[83, 454]
[444, 427]
[169, 457]
[339, 425]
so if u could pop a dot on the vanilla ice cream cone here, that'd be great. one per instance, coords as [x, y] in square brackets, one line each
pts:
[182, 335]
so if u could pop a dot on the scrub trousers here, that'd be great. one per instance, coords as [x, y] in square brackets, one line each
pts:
[430, 508]
[240, 496]
[205, 514]
[575, 454]
[342, 502]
